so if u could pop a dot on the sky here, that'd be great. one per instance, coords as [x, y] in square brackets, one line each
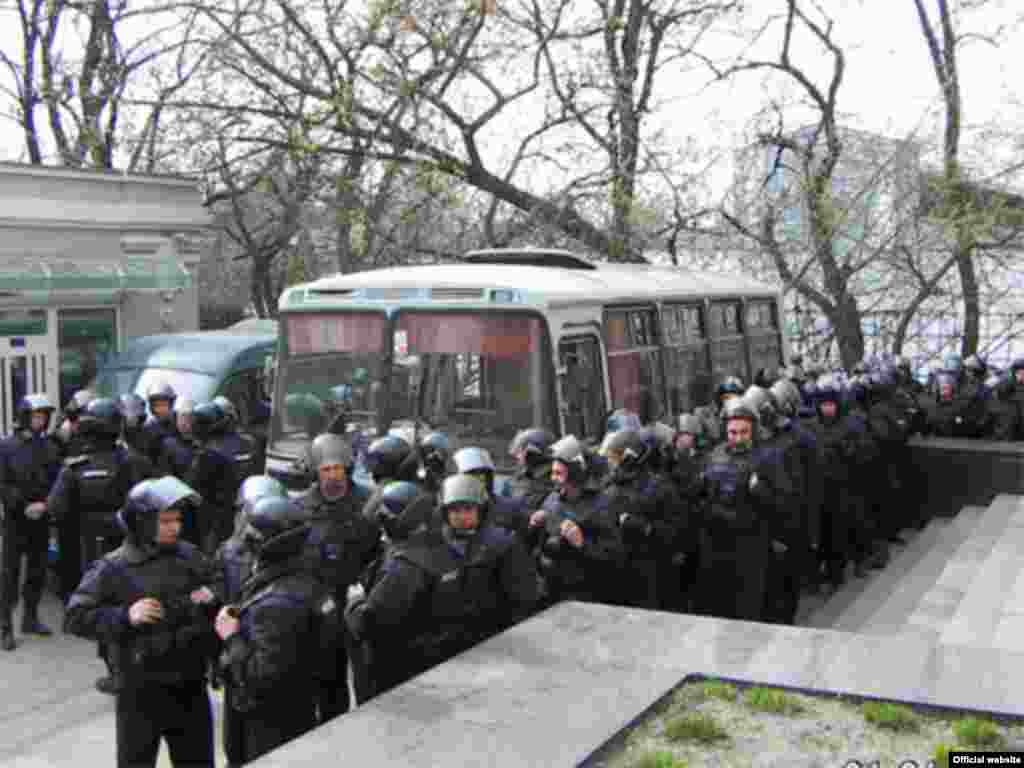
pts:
[889, 85]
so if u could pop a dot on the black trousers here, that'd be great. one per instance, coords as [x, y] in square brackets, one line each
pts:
[30, 538]
[332, 698]
[69, 566]
[180, 715]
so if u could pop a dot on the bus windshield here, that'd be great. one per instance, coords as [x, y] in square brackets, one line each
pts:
[478, 377]
[328, 354]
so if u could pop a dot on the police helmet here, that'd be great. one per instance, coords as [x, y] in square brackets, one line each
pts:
[1017, 364]
[952, 364]
[435, 450]
[622, 419]
[626, 451]
[404, 509]
[740, 408]
[391, 458]
[733, 385]
[691, 424]
[230, 411]
[535, 443]
[787, 396]
[473, 459]
[101, 418]
[160, 390]
[763, 402]
[570, 452]
[975, 365]
[74, 407]
[463, 489]
[829, 387]
[764, 378]
[133, 409]
[275, 528]
[253, 489]
[28, 405]
[329, 450]
[208, 420]
[139, 516]
[341, 396]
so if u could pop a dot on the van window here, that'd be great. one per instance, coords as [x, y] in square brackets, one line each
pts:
[686, 357]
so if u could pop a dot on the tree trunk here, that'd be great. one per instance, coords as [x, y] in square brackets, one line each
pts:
[258, 275]
[848, 331]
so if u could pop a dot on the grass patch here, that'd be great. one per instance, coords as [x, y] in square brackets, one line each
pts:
[974, 732]
[773, 700]
[716, 689]
[695, 727]
[895, 717]
[658, 759]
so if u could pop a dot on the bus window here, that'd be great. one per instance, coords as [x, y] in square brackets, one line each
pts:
[688, 373]
[324, 352]
[763, 335]
[634, 362]
[728, 347]
[582, 387]
[477, 377]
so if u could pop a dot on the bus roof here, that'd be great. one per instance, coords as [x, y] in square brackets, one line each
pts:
[540, 286]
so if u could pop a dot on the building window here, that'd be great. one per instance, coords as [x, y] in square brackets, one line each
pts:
[86, 338]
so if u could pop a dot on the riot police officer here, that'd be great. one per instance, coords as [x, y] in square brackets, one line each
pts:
[343, 542]
[177, 447]
[133, 410]
[1009, 421]
[246, 449]
[29, 464]
[711, 415]
[280, 638]
[161, 397]
[150, 602]
[444, 592]
[505, 511]
[745, 492]
[435, 451]
[531, 451]
[388, 459]
[574, 536]
[67, 433]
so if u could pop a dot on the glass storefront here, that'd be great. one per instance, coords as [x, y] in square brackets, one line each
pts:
[86, 338]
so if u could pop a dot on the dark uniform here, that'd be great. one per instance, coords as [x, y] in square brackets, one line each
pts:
[29, 464]
[90, 489]
[588, 572]
[156, 428]
[159, 662]
[133, 409]
[444, 591]
[283, 645]
[1009, 404]
[343, 543]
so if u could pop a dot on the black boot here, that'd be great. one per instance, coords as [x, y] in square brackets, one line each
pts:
[31, 625]
[7, 638]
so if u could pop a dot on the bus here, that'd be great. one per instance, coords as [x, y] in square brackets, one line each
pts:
[506, 339]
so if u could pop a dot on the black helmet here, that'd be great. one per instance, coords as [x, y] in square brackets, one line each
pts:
[570, 452]
[275, 528]
[391, 458]
[146, 500]
[535, 443]
[74, 407]
[435, 450]
[133, 409]
[208, 420]
[404, 510]
[160, 390]
[230, 411]
[30, 404]
[101, 418]
[733, 385]
[626, 451]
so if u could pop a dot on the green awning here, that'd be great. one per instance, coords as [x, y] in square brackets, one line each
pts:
[36, 276]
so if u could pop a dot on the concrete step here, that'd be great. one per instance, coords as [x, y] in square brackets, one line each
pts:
[822, 613]
[894, 593]
[937, 607]
[890, 616]
[991, 613]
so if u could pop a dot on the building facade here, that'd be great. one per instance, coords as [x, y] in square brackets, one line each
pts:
[89, 259]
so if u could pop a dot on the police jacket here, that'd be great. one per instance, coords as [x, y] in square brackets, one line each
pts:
[92, 486]
[1007, 405]
[342, 542]
[531, 484]
[437, 595]
[651, 515]
[589, 566]
[173, 651]
[219, 467]
[153, 433]
[29, 465]
[283, 648]
[746, 491]
[845, 446]
[232, 565]
[797, 437]
[950, 418]
[176, 454]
